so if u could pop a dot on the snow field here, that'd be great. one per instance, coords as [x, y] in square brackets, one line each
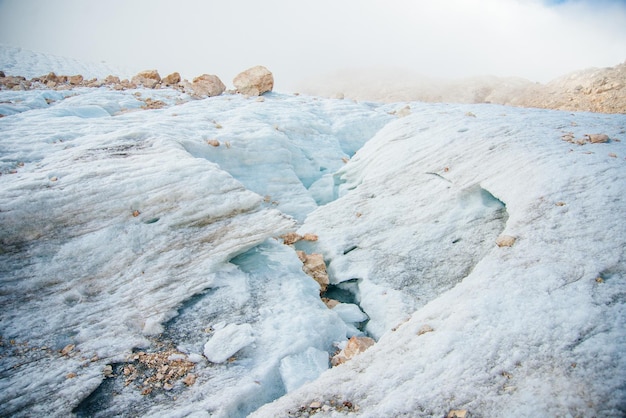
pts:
[126, 229]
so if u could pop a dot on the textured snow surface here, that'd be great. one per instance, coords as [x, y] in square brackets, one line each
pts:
[125, 230]
[18, 61]
[536, 329]
[121, 232]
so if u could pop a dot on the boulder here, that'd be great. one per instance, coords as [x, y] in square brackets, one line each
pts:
[355, 346]
[14, 82]
[149, 79]
[2, 74]
[207, 85]
[112, 79]
[254, 81]
[171, 79]
[51, 77]
[75, 80]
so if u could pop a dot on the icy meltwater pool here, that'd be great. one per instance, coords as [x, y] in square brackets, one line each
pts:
[142, 271]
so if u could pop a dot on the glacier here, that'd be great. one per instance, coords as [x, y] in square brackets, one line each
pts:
[130, 232]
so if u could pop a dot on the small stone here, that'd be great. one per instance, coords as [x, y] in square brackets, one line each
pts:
[190, 379]
[314, 266]
[167, 386]
[560, 203]
[355, 346]
[136, 213]
[54, 178]
[424, 329]
[612, 155]
[213, 142]
[315, 405]
[67, 349]
[597, 138]
[470, 114]
[290, 238]
[458, 413]
[330, 303]
[108, 371]
[309, 237]
[599, 280]
[70, 375]
[505, 241]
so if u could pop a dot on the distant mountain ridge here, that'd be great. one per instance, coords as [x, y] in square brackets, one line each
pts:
[600, 90]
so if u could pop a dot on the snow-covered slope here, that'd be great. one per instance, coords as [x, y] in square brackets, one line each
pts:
[141, 273]
[535, 329]
[18, 61]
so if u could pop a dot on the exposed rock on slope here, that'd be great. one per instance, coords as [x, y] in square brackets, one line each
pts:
[596, 90]
[254, 81]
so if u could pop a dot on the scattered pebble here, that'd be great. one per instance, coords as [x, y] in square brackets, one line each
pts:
[424, 329]
[309, 237]
[190, 379]
[67, 349]
[213, 142]
[290, 238]
[108, 371]
[505, 241]
[597, 138]
[458, 413]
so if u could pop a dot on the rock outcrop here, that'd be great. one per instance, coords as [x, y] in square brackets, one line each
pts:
[600, 90]
[254, 81]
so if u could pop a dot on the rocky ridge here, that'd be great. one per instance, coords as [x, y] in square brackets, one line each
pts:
[601, 90]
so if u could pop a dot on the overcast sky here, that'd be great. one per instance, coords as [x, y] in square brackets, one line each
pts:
[535, 39]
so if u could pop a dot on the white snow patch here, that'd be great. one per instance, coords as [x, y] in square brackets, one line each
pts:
[227, 341]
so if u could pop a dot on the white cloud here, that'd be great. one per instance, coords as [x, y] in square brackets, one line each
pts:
[297, 39]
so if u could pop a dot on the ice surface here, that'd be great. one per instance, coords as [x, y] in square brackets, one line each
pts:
[226, 341]
[124, 231]
[350, 313]
[121, 231]
[298, 369]
[536, 328]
